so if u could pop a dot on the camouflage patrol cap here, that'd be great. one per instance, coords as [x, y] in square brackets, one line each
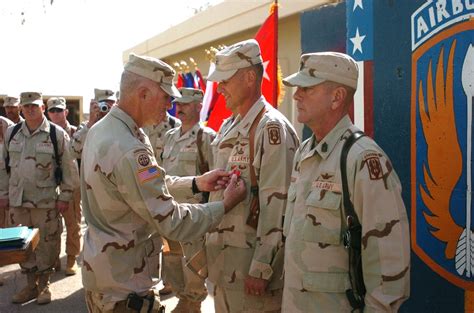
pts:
[189, 95]
[56, 102]
[103, 94]
[230, 59]
[155, 70]
[11, 102]
[316, 68]
[31, 98]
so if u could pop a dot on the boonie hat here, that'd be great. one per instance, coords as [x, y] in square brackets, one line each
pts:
[31, 98]
[189, 95]
[11, 102]
[316, 68]
[56, 102]
[230, 59]
[103, 94]
[155, 70]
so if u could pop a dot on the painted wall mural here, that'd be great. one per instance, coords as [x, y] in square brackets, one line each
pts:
[442, 91]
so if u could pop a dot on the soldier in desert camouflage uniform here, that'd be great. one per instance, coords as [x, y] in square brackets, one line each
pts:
[33, 194]
[245, 251]
[105, 96]
[57, 113]
[126, 197]
[316, 262]
[156, 134]
[186, 152]
[4, 123]
[12, 109]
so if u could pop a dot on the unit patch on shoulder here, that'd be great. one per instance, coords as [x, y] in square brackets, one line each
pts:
[143, 159]
[374, 167]
[274, 136]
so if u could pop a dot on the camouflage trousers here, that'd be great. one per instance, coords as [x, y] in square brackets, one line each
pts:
[4, 218]
[72, 220]
[183, 281]
[300, 301]
[49, 224]
[95, 305]
[237, 301]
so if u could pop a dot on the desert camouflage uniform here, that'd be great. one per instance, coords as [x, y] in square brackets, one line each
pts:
[78, 139]
[32, 191]
[72, 216]
[156, 134]
[4, 123]
[316, 262]
[226, 124]
[234, 249]
[125, 200]
[181, 158]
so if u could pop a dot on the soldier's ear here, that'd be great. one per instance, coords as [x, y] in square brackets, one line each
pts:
[251, 76]
[339, 95]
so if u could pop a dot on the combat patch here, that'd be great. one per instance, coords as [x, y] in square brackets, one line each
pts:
[147, 174]
[374, 167]
[274, 137]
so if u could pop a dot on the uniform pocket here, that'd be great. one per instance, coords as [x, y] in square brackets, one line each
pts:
[323, 217]
[14, 150]
[326, 282]
[44, 166]
[188, 156]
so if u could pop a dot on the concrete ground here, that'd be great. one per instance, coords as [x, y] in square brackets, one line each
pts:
[67, 292]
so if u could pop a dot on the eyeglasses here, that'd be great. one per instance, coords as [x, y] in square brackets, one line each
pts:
[55, 110]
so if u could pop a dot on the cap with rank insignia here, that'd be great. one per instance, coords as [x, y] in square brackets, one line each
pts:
[31, 98]
[155, 70]
[230, 59]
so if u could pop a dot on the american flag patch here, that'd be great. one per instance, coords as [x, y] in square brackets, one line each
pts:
[148, 173]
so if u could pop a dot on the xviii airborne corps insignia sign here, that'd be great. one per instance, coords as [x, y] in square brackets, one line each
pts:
[442, 89]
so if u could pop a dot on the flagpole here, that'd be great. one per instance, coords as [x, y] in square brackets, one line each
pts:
[275, 51]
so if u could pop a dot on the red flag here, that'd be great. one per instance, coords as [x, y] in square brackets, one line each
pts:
[267, 38]
[199, 80]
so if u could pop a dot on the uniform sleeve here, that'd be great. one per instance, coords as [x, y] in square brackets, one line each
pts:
[78, 139]
[278, 148]
[4, 177]
[207, 148]
[69, 168]
[385, 234]
[290, 204]
[143, 187]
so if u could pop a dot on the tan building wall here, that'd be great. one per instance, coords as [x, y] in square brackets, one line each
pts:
[229, 22]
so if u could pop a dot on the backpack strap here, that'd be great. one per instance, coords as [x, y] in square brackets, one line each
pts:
[58, 175]
[15, 130]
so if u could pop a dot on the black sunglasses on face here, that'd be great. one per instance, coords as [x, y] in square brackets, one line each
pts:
[55, 110]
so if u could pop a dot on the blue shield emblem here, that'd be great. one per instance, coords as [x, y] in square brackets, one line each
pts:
[441, 142]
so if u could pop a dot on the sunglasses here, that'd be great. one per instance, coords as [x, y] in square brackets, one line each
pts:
[55, 110]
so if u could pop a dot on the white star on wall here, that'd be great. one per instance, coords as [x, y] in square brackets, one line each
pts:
[265, 74]
[357, 41]
[357, 3]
